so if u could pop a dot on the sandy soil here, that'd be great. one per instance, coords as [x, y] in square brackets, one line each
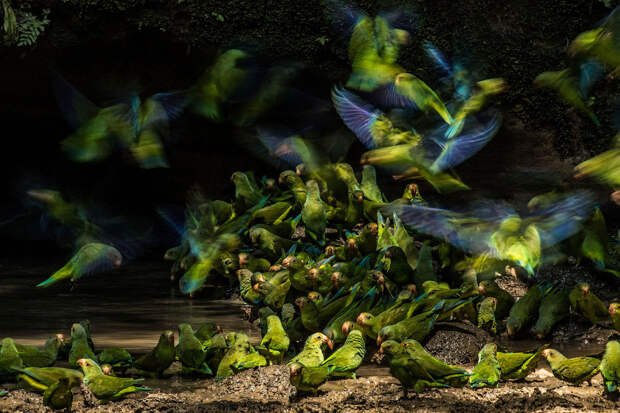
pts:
[268, 389]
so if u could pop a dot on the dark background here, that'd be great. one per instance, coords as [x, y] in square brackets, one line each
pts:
[103, 46]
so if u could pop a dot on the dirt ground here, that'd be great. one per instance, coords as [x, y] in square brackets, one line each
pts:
[268, 389]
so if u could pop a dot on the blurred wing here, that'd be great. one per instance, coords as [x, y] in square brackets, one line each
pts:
[438, 58]
[358, 115]
[75, 107]
[462, 147]
[591, 72]
[386, 96]
[173, 103]
[279, 145]
[470, 234]
[563, 217]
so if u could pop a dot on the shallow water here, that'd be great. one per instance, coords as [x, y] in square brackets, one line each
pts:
[128, 307]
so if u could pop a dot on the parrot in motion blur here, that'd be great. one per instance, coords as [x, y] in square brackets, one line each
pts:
[91, 258]
[133, 124]
[496, 230]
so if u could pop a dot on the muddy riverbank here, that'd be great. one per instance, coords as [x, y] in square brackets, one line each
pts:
[268, 389]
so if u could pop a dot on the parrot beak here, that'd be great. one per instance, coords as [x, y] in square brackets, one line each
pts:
[379, 340]
[510, 331]
[61, 337]
[413, 289]
[380, 350]
[585, 290]
[481, 289]
[313, 274]
[255, 287]
[117, 263]
[275, 267]
[219, 329]
[360, 320]
[330, 344]
[81, 362]
[612, 309]
[374, 229]
[545, 353]
[329, 250]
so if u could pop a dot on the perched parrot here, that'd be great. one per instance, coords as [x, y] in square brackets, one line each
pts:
[487, 371]
[59, 396]
[574, 370]
[610, 366]
[160, 357]
[106, 388]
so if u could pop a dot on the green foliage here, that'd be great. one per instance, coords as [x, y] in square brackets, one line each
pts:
[30, 27]
[218, 16]
[9, 24]
[322, 40]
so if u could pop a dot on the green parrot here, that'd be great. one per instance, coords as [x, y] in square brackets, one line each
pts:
[516, 366]
[587, 304]
[296, 186]
[354, 305]
[312, 353]
[396, 266]
[219, 83]
[369, 184]
[605, 167]
[566, 85]
[574, 370]
[406, 369]
[274, 344]
[160, 357]
[373, 51]
[424, 269]
[425, 98]
[117, 357]
[206, 331]
[40, 378]
[313, 213]
[600, 44]
[610, 366]
[523, 313]
[108, 370]
[3, 393]
[366, 241]
[487, 371]
[190, 352]
[308, 379]
[345, 361]
[59, 396]
[35, 357]
[614, 312]
[270, 243]
[67, 341]
[553, 308]
[271, 213]
[106, 388]
[485, 89]
[505, 301]
[247, 195]
[91, 258]
[249, 295]
[238, 349]
[79, 345]
[249, 361]
[66, 213]
[253, 264]
[486, 315]
[10, 361]
[371, 325]
[273, 295]
[451, 375]
[416, 327]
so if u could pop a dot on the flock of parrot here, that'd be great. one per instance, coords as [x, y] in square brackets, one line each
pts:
[320, 253]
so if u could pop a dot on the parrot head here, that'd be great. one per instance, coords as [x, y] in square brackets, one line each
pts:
[585, 289]
[335, 278]
[315, 296]
[107, 370]
[390, 347]
[364, 319]
[300, 302]
[613, 308]
[295, 369]
[288, 261]
[346, 327]
[313, 274]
